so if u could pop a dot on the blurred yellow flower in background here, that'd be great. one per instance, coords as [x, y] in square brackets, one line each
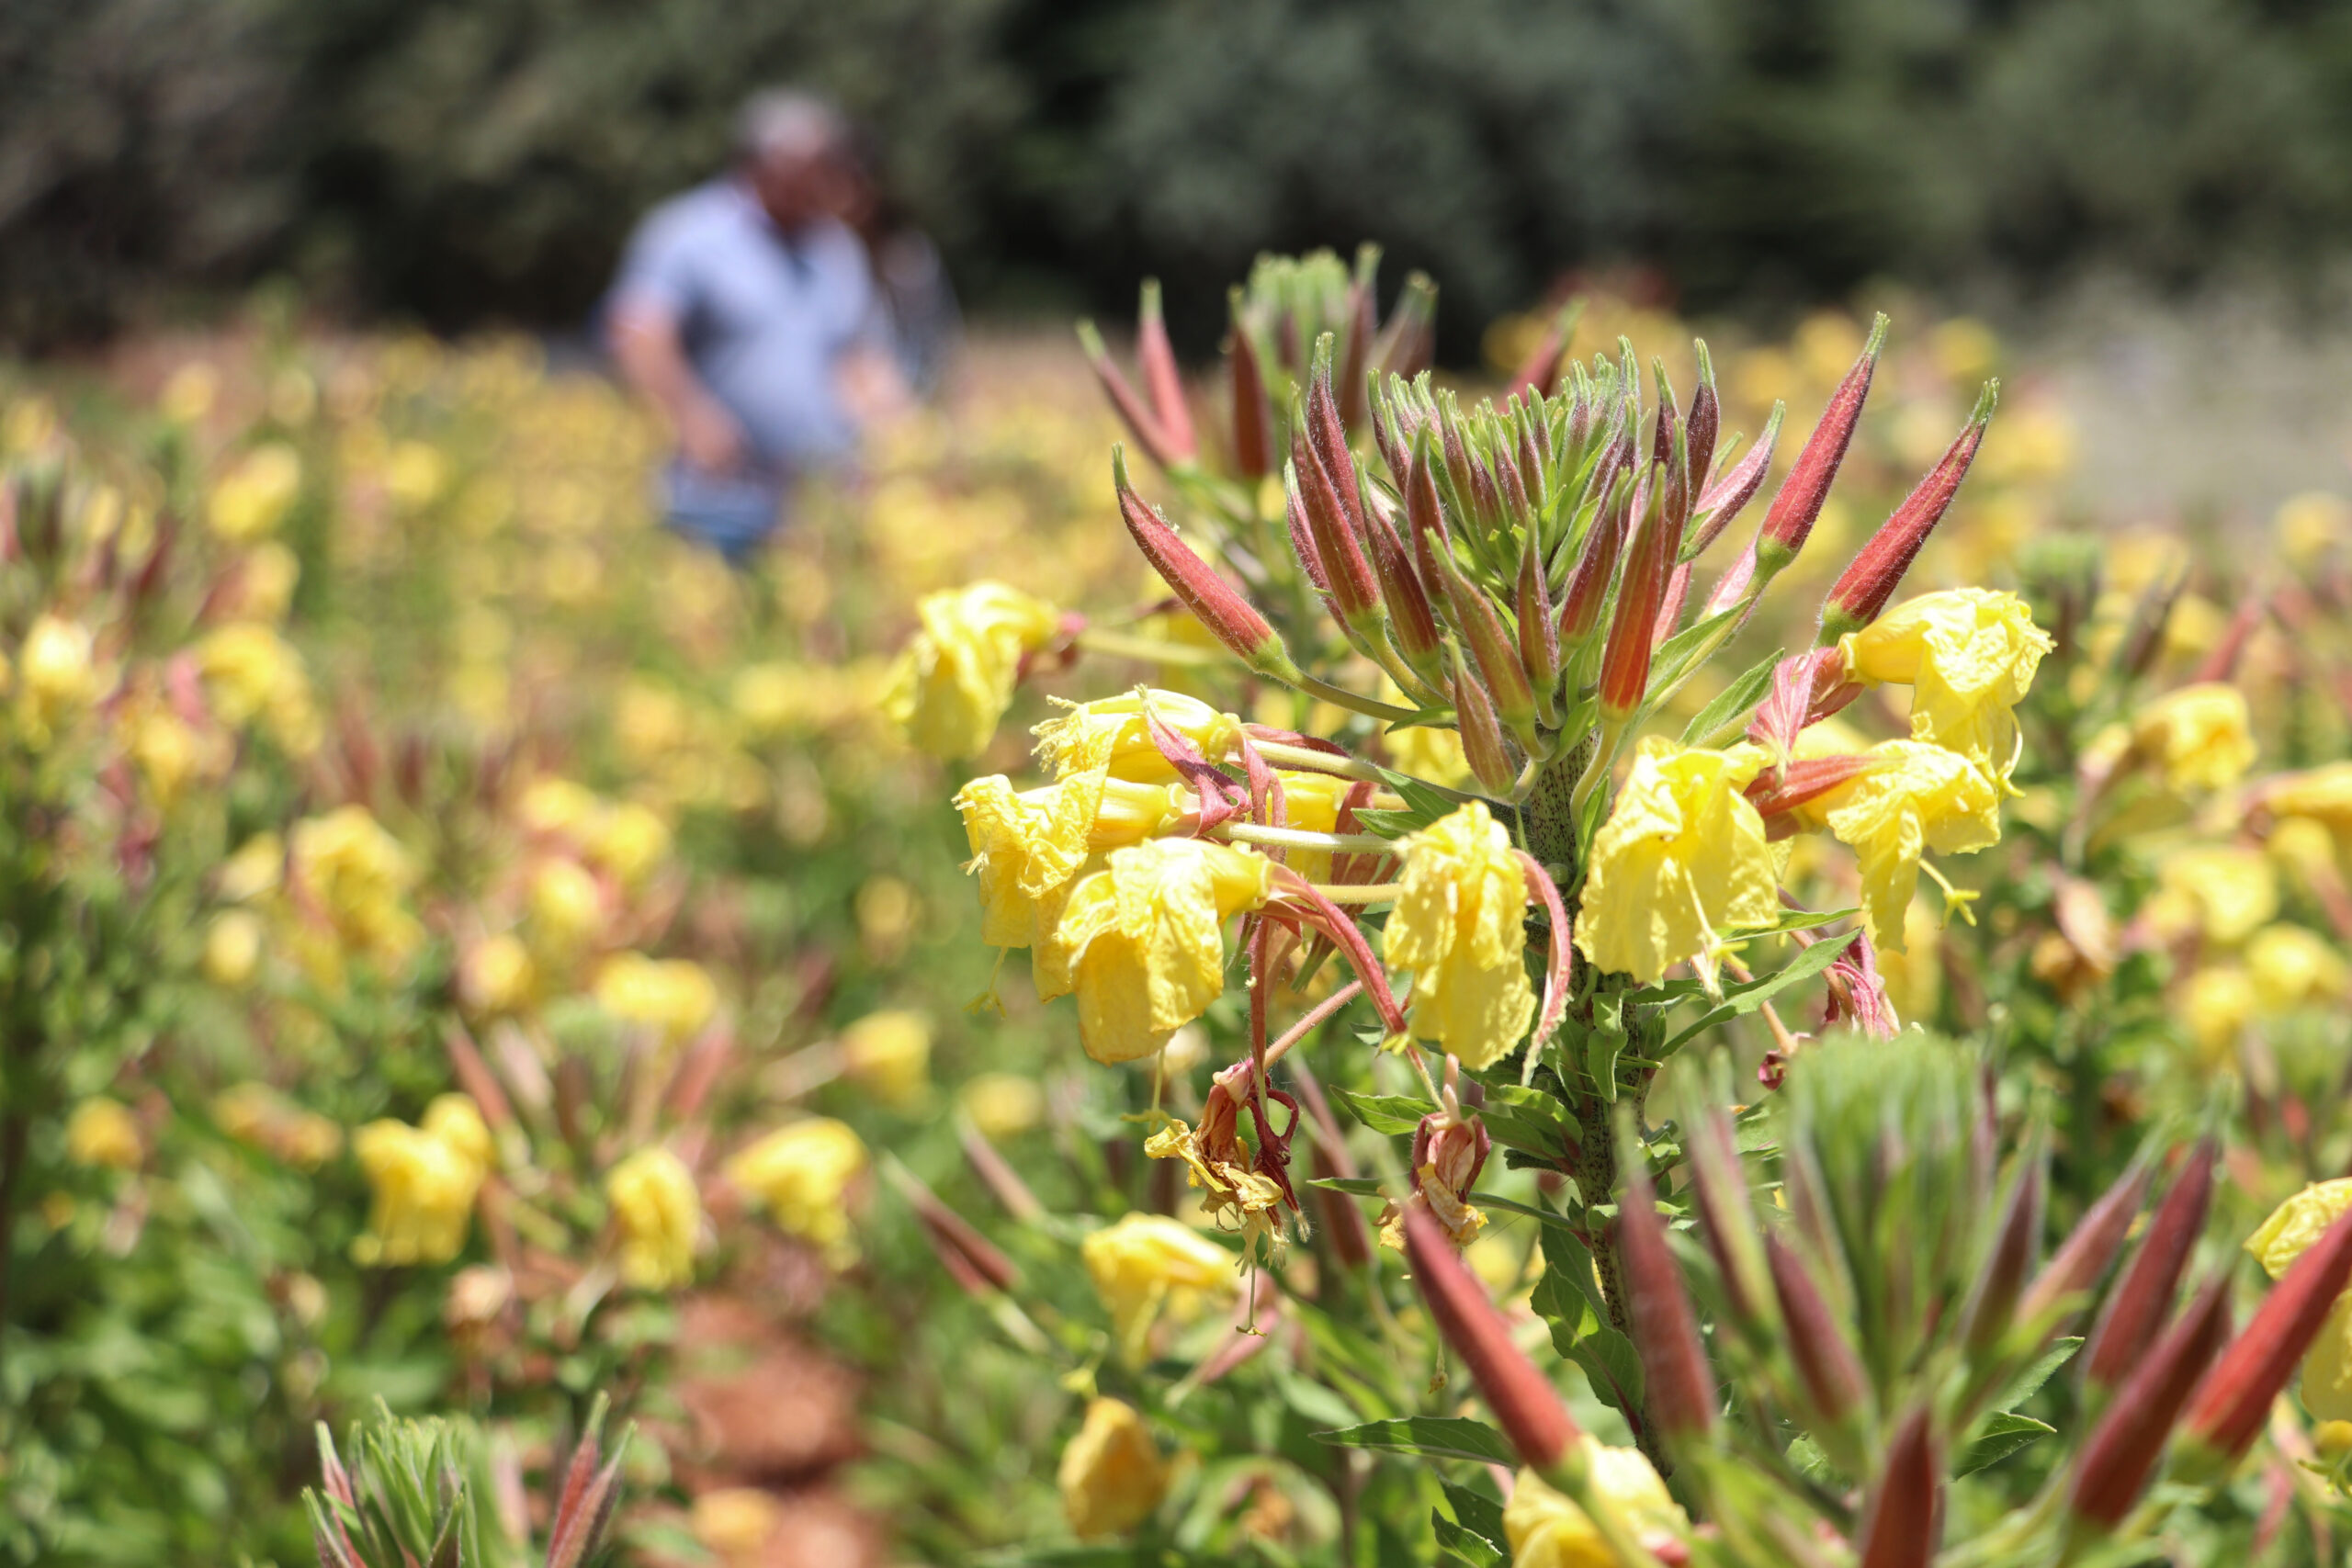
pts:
[673, 998]
[360, 877]
[57, 676]
[1459, 926]
[251, 673]
[2200, 736]
[1002, 1105]
[801, 1175]
[424, 1179]
[659, 1212]
[2293, 967]
[1142, 1264]
[1112, 1476]
[254, 495]
[496, 975]
[101, 1132]
[232, 945]
[1547, 1530]
[888, 1055]
[257, 1114]
[2226, 891]
[2219, 1004]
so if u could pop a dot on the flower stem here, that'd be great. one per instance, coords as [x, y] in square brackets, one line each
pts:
[1359, 892]
[1302, 839]
[1155, 651]
[1340, 696]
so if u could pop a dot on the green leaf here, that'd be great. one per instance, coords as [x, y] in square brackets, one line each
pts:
[1480, 1515]
[1997, 1438]
[1389, 1114]
[1746, 998]
[1531, 1211]
[1798, 920]
[1467, 1545]
[1355, 1186]
[1680, 656]
[1728, 713]
[2028, 1382]
[1440, 1436]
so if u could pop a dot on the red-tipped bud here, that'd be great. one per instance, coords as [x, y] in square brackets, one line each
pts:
[1993, 1307]
[1669, 610]
[2122, 1452]
[1482, 735]
[1588, 588]
[1327, 434]
[1719, 1188]
[1498, 660]
[1802, 494]
[1412, 623]
[2143, 1296]
[1727, 496]
[1355, 591]
[1906, 1506]
[1649, 562]
[1866, 586]
[2233, 1404]
[1671, 451]
[1215, 603]
[1408, 344]
[1541, 368]
[1155, 356]
[1831, 1372]
[1355, 354]
[1525, 1404]
[1679, 1387]
[1253, 412]
[2082, 1258]
[1706, 416]
[1302, 540]
[1141, 423]
[1777, 793]
[1539, 632]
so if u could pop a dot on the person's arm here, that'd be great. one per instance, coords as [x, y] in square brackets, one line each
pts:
[653, 355]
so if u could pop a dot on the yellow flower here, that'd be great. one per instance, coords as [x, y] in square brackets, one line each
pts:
[800, 1174]
[1919, 798]
[627, 839]
[567, 907]
[266, 581]
[2290, 1232]
[169, 753]
[1548, 1530]
[232, 948]
[1140, 1263]
[425, 1179]
[2200, 736]
[1112, 733]
[1112, 1476]
[1427, 752]
[251, 498]
[655, 1205]
[257, 1114]
[1311, 801]
[252, 674]
[57, 674]
[889, 1054]
[560, 805]
[2228, 890]
[2218, 1006]
[954, 682]
[1003, 1105]
[671, 996]
[1142, 942]
[495, 977]
[1968, 655]
[100, 1132]
[2293, 967]
[1457, 926]
[1027, 846]
[2311, 524]
[359, 875]
[1681, 858]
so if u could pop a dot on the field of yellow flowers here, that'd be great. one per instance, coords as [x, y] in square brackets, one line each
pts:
[467, 955]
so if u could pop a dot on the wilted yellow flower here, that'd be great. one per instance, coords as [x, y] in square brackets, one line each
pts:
[101, 1132]
[1457, 926]
[1918, 798]
[2228, 890]
[1142, 942]
[496, 976]
[1112, 1475]
[1112, 733]
[800, 1174]
[1682, 858]
[1003, 1105]
[655, 1205]
[2290, 1232]
[424, 1179]
[253, 497]
[1138, 1264]
[359, 876]
[1969, 656]
[2293, 967]
[251, 673]
[57, 674]
[1548, 1530]
[889, 1055]
[671, 996]
[2218, 1006]
[954, 682]
[2201, 736]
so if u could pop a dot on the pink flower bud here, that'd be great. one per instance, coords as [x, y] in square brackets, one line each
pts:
[2233, 1404]
[1866, 586]
[1525, 1404]
[1649, 562]
[1141, 423]
[1253, 413]
[2123, 1449]
[2144, 1294]
[1906, 1506]
[1215, 603]
[1679, 1386]
[1157, 358]
[1807, 486]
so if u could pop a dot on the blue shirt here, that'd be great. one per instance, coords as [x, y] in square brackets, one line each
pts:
[764, 315]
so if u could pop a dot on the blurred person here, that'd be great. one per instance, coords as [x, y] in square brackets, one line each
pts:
[920, 301]
[747, 310]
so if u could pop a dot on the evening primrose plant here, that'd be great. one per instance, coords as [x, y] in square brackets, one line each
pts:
[1536, 942]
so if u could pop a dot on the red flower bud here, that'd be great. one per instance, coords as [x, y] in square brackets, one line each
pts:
[1802, 494]
[1866, 586]
[2084, 1255]
[1215, 603]
[1253, 415]
[1355, 591]
[1141, 423]
[1541, 368]
[1525, 1404]
[1482, 735]
[1412, 623]
[1649, 562]
[1706, 416]
[1727, 496]
[1679, 1386]
[1539, 634]
[1588, 588]
[2123, 1450]
[2143, 1296]
[1498, 662]
[1157, 358]
[1831, 1372]
[2231, 1405]
[1906, 1508]
[1992, 1306]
